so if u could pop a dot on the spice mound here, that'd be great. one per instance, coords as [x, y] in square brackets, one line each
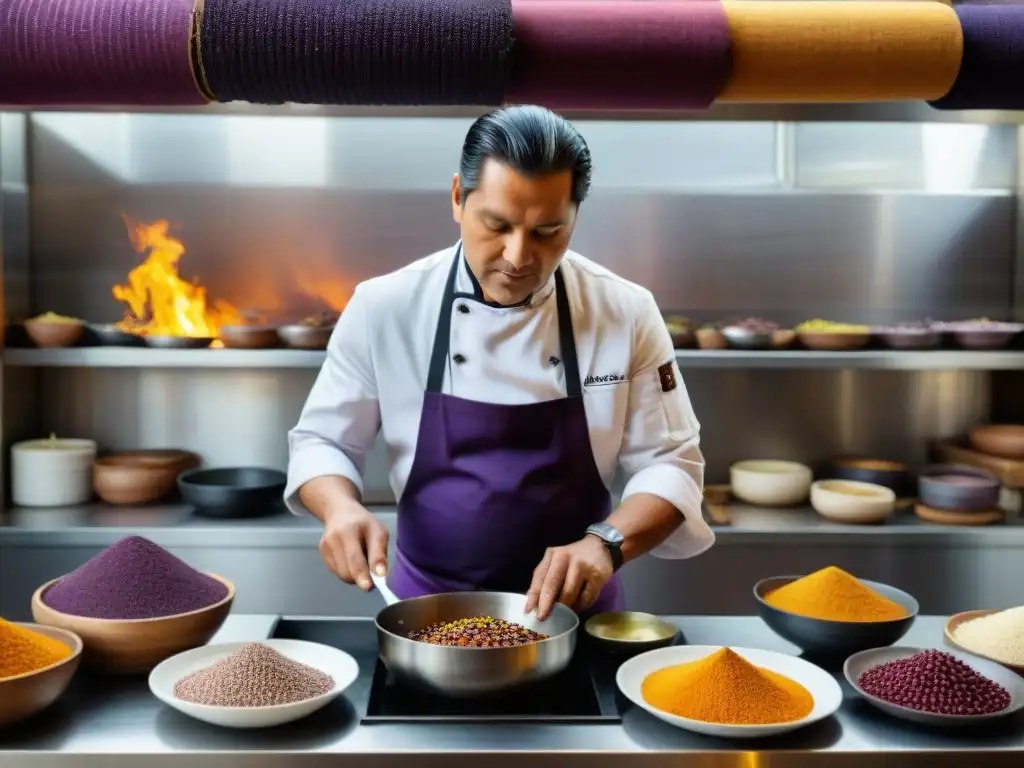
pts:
[477, 632]
[23, 651]
[726, 688]
[937, 682]
[253, 676]
[134, 579]
[834, 595]
[999, 636]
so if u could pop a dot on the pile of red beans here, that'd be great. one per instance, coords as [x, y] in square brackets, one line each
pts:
[936, 682]
[477, 632]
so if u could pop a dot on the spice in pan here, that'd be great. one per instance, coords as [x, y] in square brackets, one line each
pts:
[253, 676]
[726, 688]
[23, 651]
[937, 682]
[999, 636]
[478, 632]
[134, 579]
[834, 595]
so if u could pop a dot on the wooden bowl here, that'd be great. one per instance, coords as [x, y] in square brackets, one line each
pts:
[48, 334]
[711, 338]
[1003, 440]
[824, 341]
[127, 646]
[249, 336]
[24, 695]
[783, 339]
[956, 620]
[179, 459]
[133, 480]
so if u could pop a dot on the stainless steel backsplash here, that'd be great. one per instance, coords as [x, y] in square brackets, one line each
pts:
[847, 221]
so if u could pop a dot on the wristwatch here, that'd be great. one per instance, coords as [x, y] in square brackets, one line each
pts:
[612, 538]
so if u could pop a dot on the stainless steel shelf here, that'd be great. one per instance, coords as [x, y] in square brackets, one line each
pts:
[127, 357]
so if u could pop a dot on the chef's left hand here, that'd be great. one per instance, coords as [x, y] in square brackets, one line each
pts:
[573, 575]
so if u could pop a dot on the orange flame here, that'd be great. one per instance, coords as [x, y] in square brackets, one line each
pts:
[159, 302]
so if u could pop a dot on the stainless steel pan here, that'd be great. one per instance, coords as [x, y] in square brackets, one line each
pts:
[467, 672]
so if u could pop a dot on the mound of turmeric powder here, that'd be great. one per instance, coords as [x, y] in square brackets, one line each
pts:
[726, 688]
[834, 595]
[22, 650]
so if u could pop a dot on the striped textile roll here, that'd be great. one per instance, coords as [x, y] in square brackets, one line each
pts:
[96, 52]
[619, 54]
[992, 73]
[400, 52]
[840, 51]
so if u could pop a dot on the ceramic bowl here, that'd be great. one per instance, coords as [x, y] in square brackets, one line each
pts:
[955, 487]
[983, 335]
[783, 339]
[909, 338]
[768, 483]
[131, 480]
[848, 501]
[630, 631]
[860, 663]
[1003, 440]
[25, 695]
[306, 336]
[826, 341]
[710, 338]
[338, 664]
[822, 686]
[949, 632]
[889, 474]
[739, 337]
[249, 336]
[49, 334]
[834, 639]
[136, 645]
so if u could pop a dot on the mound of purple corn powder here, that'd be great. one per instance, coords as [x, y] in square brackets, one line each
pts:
[937, 682]
[134, 579]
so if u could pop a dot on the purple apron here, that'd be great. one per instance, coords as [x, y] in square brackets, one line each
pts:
[492, 486]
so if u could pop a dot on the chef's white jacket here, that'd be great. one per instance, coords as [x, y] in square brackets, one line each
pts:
[376, 370]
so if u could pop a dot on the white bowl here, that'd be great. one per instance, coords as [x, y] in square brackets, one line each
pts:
[869, 503]
[824, 688]
[338, 664]
[771, 483]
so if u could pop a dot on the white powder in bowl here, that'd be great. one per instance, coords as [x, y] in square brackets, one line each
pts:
[998, 635]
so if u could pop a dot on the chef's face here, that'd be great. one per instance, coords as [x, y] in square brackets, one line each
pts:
[515, 229]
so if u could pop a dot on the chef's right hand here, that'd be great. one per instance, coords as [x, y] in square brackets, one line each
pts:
[354, 541]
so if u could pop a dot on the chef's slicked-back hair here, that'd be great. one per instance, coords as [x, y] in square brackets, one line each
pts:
[530, 140]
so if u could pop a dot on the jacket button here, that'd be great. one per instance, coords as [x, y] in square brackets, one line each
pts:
[463, 309]
[553, 360]
[459, 359]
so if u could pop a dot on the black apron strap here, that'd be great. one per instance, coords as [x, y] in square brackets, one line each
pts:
[442, 336]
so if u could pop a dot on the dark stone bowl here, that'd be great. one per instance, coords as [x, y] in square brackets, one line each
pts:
[977, 489]
[834, 639]
[233, 492]
[888, 474]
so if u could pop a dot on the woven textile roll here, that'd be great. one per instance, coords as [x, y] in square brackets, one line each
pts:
[401, 52]
[992, 73]
[621, 54]
[793, 52]
[96, 52]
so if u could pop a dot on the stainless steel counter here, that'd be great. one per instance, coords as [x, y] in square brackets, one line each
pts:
[113, 723]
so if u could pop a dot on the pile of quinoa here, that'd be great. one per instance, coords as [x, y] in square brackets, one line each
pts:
[999, 636]
[253, 676]
[477, 632]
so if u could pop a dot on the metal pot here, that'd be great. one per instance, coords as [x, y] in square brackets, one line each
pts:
[469, 672]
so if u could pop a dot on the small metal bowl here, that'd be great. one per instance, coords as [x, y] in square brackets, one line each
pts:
[178, 342]
[630, 631]
[744, 338]
[306, 336]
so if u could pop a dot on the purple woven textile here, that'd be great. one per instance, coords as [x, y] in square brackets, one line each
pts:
[399, 52]
[992, 72]
[96, 52]
[619, 54]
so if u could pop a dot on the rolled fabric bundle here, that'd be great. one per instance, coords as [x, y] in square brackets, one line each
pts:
[619, 54]
[388, 52]
[839, 51]
[96, 52]
[992, 73]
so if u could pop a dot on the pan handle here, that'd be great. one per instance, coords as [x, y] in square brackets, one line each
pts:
[382, 586]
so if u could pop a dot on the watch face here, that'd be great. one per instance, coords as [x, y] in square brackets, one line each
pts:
[609, 533]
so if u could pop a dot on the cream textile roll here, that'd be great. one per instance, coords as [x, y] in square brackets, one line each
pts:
[841, 50]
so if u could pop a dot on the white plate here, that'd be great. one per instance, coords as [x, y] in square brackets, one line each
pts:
[860, 663]
[338, 664]
[828, 696]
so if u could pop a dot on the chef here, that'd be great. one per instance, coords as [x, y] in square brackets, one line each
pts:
[510, 378]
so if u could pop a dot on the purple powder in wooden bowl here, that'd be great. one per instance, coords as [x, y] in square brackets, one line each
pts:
[936, 682]
[134, 579]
